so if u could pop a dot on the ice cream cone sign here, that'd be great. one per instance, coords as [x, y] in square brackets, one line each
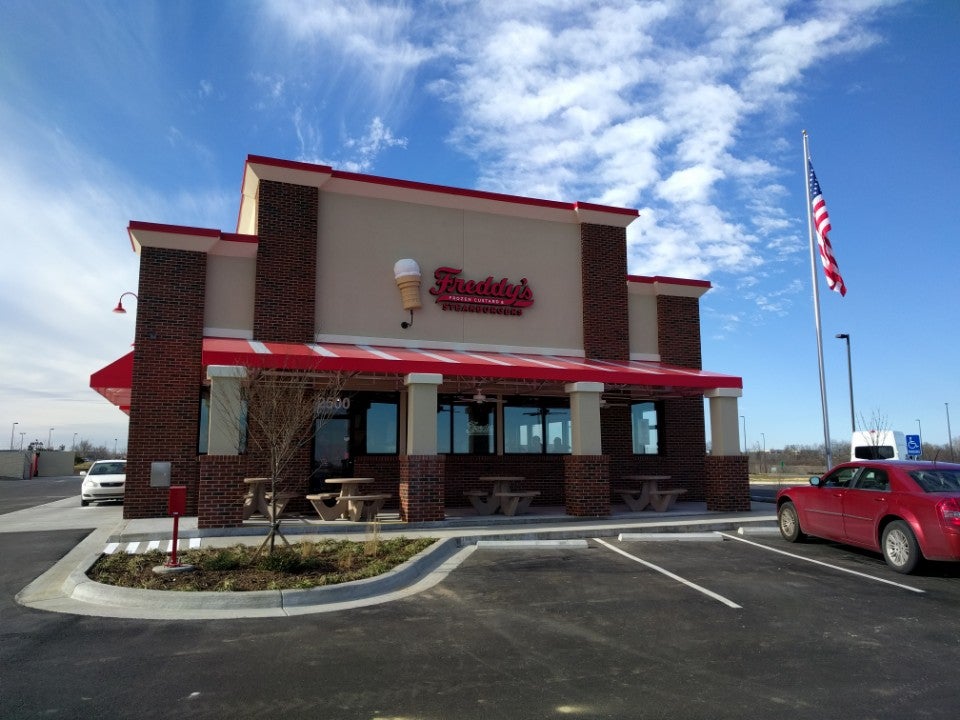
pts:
[407, 274]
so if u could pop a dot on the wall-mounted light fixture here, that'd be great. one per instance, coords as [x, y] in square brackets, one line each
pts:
[119, 308]
[407, 274]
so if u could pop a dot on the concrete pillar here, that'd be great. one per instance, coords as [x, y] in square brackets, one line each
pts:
[724, 423]
[422, 413]
[223, 437]
[585, 417]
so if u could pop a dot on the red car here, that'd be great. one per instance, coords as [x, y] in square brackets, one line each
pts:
[907, 510]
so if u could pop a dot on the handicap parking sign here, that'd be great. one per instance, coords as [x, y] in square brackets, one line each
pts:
[913, 445]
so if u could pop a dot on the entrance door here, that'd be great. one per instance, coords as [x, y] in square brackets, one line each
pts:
[331, 452]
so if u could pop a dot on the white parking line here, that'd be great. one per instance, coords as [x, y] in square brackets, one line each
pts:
[826, 565]
[664, 571]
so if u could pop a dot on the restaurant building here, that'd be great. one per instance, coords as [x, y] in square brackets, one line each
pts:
[479, 334]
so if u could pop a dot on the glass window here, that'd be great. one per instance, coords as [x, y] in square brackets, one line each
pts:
[536, 427]
[381, 426]
[645, 421]
[466, 427]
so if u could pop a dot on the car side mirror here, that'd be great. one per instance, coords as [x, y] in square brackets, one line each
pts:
[83, 473]
[815, 481]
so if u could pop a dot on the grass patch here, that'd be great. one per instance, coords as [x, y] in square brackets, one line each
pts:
[303, 565]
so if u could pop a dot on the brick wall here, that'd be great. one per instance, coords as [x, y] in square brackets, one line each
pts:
[285, 302]
[421, 488]
[603, 268]
[221, 490]
[727, 483]
[167, 372]
[678, 331]
[587, 485]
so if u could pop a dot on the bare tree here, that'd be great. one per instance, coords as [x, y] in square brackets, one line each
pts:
[280, 412]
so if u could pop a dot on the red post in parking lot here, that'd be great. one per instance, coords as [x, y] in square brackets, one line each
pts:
[176, 506]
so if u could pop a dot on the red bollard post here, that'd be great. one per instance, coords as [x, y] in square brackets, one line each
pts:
[176, 506]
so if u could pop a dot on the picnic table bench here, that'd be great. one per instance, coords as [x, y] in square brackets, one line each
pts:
[353, 507]
[649, 494]
[513, 502]
[364, 507]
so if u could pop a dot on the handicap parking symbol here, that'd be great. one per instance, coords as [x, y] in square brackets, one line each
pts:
[913, 445]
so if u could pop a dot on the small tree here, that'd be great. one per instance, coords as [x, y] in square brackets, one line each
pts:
[281, 410]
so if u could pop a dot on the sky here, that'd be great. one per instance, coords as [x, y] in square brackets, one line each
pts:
[690, 111]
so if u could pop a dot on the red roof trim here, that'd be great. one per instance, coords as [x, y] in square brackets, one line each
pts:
[443, 189]
[290, 164]
[174, 229]
[667, 280]
[606, 208]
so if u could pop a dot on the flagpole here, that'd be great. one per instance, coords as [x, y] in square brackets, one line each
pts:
[816, 302]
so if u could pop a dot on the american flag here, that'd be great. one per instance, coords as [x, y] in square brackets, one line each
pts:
[821, 221]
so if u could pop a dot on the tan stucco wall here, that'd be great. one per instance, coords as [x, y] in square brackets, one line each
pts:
[361, 239]
[230, 293]
[642, 304]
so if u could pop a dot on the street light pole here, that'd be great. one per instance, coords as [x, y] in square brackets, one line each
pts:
[50, 438]
[21, 440]
[763, 458]
[853, 423]
[744, 421]
[74, 446]
[11, 434]
[949, 434]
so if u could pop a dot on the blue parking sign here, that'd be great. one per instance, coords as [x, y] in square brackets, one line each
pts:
[913, 445]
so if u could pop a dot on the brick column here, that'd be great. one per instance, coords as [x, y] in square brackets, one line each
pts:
[603, 269]
[728, 483]
[422, 488]
[221, 491]
[586, 487]
[287, 229]
[678, 331]
[167, 374]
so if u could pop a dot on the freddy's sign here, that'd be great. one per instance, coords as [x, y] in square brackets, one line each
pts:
[489, 296]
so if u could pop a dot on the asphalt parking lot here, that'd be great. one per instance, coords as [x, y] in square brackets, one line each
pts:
[695, 627]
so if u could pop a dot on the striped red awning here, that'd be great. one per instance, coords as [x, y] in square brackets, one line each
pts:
[115, 380]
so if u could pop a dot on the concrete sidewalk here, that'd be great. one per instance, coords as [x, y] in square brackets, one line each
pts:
[66, 588]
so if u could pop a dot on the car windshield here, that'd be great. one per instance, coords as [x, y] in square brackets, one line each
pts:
[937, 480]
[113, 468]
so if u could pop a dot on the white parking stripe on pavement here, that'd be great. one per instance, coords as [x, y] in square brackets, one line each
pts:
[132, 547]
[664, 571]
[111, 548]
[820, 562]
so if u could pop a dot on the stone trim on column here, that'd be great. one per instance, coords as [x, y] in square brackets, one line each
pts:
[226, 406]
[724, 428]
[585, 417]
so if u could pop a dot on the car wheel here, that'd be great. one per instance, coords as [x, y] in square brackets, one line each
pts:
[84, 503]
[789, 522]
[900, 548]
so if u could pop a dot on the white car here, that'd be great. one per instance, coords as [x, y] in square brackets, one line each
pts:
[103, 481]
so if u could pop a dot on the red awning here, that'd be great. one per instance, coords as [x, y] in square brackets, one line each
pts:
[452, 363]
[115, 380]
[462, 363]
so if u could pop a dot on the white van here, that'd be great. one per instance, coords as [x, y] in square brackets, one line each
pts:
[878, 445]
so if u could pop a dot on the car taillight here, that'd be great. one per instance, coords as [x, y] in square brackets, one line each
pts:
[949, 511]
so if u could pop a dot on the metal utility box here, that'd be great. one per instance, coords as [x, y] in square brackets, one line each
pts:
[160, 474]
